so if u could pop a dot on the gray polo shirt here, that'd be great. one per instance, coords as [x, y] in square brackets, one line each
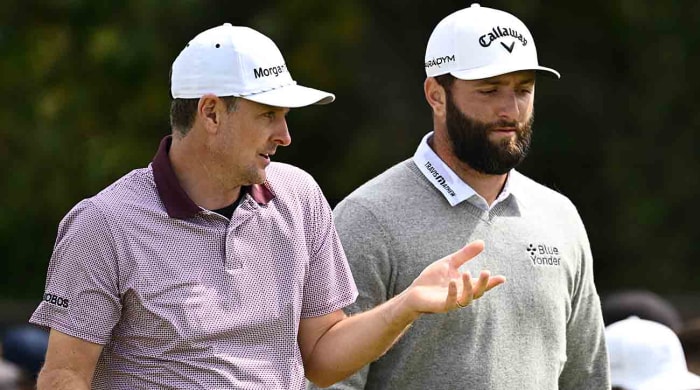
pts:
[182, 297]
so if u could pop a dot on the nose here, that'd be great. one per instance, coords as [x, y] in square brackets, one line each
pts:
[509, 108]
[281, 136]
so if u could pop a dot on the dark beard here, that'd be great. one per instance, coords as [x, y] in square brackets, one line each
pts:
[471, 145]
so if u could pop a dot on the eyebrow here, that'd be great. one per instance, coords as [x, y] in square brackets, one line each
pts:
[496, 81]
[266, 107]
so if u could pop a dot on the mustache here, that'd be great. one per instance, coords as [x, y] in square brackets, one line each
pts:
[504, 123]
[519, 126]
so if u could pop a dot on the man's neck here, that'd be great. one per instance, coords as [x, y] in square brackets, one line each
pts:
[487, 186]
[198, 177]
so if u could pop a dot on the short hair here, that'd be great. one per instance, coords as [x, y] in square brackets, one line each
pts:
[183, 111]
[690, 340]
[644, 304]
[445, 80]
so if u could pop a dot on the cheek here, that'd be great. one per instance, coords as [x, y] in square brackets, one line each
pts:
[226, 143]
[249, 136]
[242, 139]
[525, 107]
[474, 109]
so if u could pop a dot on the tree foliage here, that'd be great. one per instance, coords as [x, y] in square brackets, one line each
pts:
[86, 97]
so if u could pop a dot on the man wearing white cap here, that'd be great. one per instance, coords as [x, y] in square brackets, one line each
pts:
[647, 355]
[544, 328]
[214, 268]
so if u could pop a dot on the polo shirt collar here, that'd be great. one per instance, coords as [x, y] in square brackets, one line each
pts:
[177, 203]
[450, 185]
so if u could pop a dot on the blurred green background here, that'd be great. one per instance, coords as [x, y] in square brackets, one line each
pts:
[85, 95]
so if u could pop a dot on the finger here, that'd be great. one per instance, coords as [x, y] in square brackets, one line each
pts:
[495, 281]
[467, 290]
[451, 300]
[481, 284]
[466, 253]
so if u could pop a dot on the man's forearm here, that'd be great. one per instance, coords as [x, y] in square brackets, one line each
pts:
[358, 340]
[61, 379]
[333, 352]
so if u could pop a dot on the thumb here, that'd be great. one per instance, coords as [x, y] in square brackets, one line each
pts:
[466, 253]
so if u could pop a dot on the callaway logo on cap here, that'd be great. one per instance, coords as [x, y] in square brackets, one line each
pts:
[239, 61]
[479, 42]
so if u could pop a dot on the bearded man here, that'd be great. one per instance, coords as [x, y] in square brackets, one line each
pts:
[541, 330]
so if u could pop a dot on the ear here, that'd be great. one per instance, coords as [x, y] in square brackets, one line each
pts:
[208, 112]
[435, 95]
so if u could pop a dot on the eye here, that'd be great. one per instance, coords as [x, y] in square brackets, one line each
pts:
[527, 88]
[274, 114]
[488, 91]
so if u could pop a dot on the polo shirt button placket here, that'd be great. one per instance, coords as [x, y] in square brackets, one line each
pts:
[236, 232]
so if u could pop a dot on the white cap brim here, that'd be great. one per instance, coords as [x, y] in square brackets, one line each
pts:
[492, 71]
[670, 381]
[291, 96]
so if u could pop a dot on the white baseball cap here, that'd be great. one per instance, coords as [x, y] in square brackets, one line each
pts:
[646, 355]
[239, 61]
[479, 42]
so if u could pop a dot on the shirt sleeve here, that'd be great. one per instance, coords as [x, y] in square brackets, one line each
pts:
[81, 296]
[328, 285]
[587, 358]
[367, 247]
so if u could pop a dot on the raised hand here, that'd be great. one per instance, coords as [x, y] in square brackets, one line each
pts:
[441, 287]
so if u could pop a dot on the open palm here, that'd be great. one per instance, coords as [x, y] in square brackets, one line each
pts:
[441, 286]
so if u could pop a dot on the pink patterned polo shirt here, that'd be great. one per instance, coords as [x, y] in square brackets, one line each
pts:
[184, 298]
